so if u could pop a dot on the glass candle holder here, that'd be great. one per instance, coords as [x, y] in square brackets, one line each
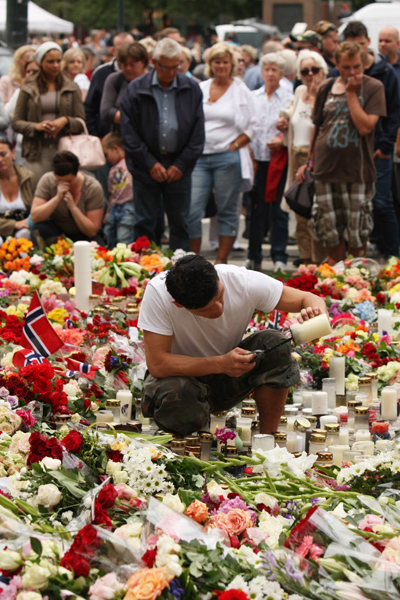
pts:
[373, 377]
[317, 443]
[365, 387]
[262, 441]
[351, 406]
[325, 459]
[337, 453]
[352, 456]
[332, 434]
[283, 424]
[218, 420]
[243, 428]
[329, 386]
[291, 441]
[113, 405]
[363, 435]
[361, 418]
[280, 438]
[178, 446]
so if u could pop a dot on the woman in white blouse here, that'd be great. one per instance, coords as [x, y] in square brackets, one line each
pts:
[225, 165]
[312, 70]
[73, 65]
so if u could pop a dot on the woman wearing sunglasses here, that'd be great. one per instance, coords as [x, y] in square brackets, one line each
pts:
[312, 70]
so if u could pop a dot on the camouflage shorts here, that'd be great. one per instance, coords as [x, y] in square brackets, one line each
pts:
[182, 405]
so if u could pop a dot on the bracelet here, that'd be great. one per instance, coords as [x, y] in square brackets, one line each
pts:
[236, 145]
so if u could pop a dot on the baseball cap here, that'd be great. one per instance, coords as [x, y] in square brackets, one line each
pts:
[311, 37]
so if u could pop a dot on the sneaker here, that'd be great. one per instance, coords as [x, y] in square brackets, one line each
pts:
[248, 263]
[279, 266]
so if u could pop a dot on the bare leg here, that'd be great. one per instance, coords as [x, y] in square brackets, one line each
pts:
[270, 403]
[225, 246]
[195, 245]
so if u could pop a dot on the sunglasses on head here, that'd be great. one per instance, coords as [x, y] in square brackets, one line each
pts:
[313, 71]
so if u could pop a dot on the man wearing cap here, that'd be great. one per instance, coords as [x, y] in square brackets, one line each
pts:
[330, 39]
[309, 40]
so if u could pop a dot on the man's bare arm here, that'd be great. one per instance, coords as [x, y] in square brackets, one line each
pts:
[161, 363]
[307, 304]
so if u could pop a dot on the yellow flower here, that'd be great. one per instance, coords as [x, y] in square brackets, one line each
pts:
[11, 310]
[395, 288]
[118, 445]
[58, 315]
[376, 337]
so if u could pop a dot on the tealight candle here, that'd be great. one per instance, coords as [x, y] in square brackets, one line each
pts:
[384, 321]
[337, 366]
[319, 403]
[82, 275]
[389, 403]
[310, 330]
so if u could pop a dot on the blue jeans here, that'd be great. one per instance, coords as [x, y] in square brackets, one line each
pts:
[221, 172]
[148, 198]
[279, 231]
[119, 224]
[386, 229]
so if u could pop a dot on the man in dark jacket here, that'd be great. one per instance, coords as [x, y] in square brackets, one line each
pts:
[162, 127]
[96, 126]
[386, 231]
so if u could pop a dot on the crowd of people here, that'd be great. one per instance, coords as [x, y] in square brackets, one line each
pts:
[190, 131]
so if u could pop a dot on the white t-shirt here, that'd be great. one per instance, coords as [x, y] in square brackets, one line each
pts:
[82, 81]
[302, 124]
[219, 119]
[245, 291]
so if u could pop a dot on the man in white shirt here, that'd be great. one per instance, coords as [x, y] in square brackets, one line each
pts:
[193, 318]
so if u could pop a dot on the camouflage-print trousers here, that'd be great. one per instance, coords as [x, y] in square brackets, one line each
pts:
[182, 405]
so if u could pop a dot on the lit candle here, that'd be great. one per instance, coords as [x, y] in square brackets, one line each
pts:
[310, 330]
[319, 403]
[389, 403]
[125, 398]
[82, 275]
[337, 453]
[337, 366]
[384, 321]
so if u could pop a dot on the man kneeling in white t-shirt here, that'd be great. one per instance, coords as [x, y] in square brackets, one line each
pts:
[194, 317]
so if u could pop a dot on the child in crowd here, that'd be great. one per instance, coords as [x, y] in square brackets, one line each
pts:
[118, 219]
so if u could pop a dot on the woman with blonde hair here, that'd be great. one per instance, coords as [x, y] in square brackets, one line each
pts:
[16, 74]
[225, 165]
[73, 66]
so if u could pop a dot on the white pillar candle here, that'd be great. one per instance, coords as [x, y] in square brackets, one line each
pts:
[337, 366]
[384, 321]
[290, 423]
[300, 443]
[125, 397]
[319, 403]
[337, 453]
[298, 397]
[104, 416]
[327, 419]
[367, 447]
[291, 441]
[343, 435]
[307, 399]
[82, 275]
[363, 435]
[389, 403]
[329, 386]
[263, 441]
[310, 330]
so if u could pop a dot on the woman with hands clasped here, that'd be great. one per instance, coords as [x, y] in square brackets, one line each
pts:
[312, 69]
[343, 166]
[68, 202]
[49, 106]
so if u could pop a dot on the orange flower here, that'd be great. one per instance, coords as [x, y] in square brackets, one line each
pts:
[147, 584]
[326, 270]
[197, 511]
[151, 262]
[238, 520]
[347, 347]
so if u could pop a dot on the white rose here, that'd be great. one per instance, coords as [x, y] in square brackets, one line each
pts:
[50, 464]
[35, 577]
[49, 495]
[29, 596]
[70, 389]
[94, 407]
[174, 502]
[10, 560]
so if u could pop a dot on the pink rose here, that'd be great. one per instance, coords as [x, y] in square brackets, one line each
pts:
[370, 520]
[238, 520]
[218, 522]
[26, 416]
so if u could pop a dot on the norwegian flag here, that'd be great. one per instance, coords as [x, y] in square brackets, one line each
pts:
[76, 367]
[23, 358]
[38, 334]
[276, 320]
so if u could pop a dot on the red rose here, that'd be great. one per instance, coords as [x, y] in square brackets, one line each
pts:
[76, 563]
[149, 558]
[232, 595]
[141, 243]
[73, 442]
[115, 456]
[101, 516]
[107, 496]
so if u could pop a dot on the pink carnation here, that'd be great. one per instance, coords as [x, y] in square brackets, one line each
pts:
[370, 520]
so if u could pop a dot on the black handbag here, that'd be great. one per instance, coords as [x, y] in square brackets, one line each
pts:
[300, 196]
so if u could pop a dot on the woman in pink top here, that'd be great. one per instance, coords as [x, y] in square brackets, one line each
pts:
[16, 75]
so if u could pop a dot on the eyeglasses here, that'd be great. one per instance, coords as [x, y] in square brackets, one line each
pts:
[174, 68]
[313, 71]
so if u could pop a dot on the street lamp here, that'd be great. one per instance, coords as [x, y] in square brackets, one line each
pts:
[17, 23]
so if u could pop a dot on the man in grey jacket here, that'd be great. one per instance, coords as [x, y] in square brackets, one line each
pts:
[162, 127]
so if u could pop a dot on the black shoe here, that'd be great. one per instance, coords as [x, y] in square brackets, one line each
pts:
[245, 233]
[291, 241]
[297, 262]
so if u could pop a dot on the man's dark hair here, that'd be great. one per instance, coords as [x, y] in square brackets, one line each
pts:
[355, 29]
[192, 281]
[65, 163]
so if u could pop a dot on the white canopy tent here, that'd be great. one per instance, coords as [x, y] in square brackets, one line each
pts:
[39, 20]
